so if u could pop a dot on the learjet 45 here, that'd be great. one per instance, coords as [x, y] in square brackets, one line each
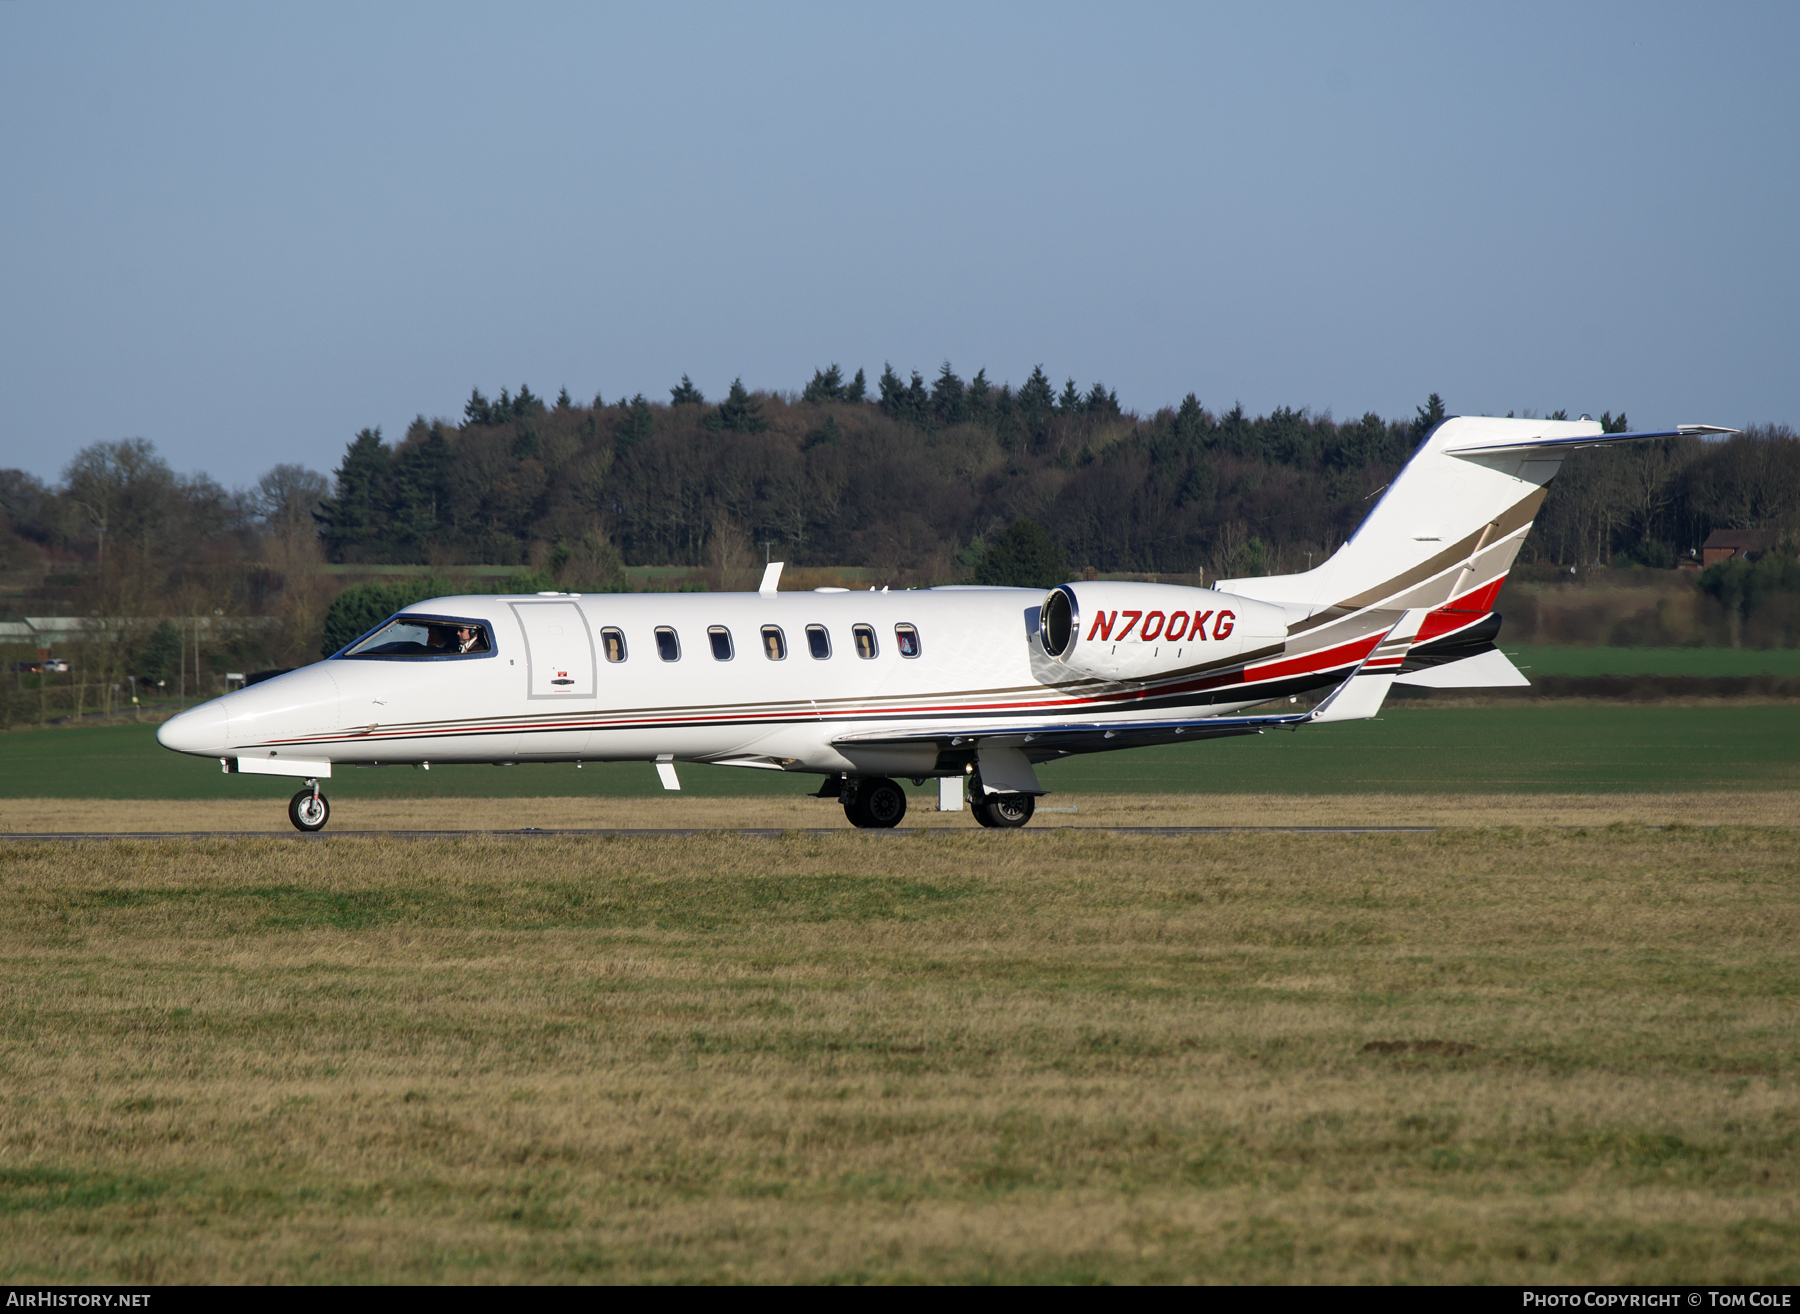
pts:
[975, 686]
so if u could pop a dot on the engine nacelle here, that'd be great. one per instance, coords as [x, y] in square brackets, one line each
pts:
[1124, 631]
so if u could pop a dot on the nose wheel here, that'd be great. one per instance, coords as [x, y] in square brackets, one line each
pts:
[309, 810]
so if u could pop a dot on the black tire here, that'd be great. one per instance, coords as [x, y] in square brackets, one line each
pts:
[305, 815]
[877, 804]
[1005, 811]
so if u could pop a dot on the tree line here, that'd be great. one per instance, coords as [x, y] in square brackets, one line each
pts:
[924, 480]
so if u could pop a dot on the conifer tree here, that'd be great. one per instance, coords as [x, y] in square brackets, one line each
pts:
[477, 410]
[1036, 396]
[686, 394]
[918, 402]
[563, 401]
[636, 425]
[350, 522]
[420, 472]
[1023, 557]
[857, 389]
[1190, 421]
[827, 385]
[739, 412]
[1427, 417]
[949, 397]
[892, 392]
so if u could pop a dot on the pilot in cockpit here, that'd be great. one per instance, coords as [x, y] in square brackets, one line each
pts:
[451, 639]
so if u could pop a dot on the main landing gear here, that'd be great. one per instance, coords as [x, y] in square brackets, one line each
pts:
[1004, 811]
[999, 811]
[873, 803]
[309, 810]
[876, 803]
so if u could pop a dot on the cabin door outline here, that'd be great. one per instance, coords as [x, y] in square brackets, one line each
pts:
[559, 647]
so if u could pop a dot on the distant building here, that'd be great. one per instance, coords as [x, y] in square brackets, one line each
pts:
[1724, 544]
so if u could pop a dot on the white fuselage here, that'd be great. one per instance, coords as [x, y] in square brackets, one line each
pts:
[546, 691]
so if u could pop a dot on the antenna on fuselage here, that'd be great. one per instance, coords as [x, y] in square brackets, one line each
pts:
[771, 577]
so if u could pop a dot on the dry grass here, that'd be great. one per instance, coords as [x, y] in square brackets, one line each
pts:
[1517, 1055]
[1769, 808]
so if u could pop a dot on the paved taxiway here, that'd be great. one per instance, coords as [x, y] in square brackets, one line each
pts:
[769, 833]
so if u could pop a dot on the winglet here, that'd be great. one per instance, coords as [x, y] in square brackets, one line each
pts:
[771, 577]
[1360, 697]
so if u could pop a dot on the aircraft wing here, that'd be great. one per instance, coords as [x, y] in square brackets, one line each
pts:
[1054, 739]
[1580, 440]
[1357, 698]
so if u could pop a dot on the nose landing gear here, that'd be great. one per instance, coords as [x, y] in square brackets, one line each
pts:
[309, 810]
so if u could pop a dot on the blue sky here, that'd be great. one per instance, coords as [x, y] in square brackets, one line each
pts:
[245, 232]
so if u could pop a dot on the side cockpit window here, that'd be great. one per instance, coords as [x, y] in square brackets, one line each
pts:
[425, 636]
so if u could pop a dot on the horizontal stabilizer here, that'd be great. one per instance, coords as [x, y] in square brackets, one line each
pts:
[1569, 444]
[1487, 670]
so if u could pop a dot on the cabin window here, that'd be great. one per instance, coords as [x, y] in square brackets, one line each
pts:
[613, 642]
[906, 639]
[818, 641]
[864, 635]
[425, 636]
[720, 638]
[774, 643]
[668, 647]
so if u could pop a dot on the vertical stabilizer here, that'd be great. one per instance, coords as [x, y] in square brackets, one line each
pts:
[1445, 532]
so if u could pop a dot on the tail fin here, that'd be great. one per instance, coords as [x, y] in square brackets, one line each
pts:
[1446, 531]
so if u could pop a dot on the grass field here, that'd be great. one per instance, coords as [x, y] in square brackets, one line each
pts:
[1524, 748]
[1505, 1056]
[1596, 660]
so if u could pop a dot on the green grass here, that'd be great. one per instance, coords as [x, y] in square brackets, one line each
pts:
[1503, 749]
[1507, 1056]
[1571, 660]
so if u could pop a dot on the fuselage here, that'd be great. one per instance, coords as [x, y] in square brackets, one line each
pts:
[589, 678]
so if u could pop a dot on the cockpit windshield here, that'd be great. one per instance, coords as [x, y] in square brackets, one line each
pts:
[425, 636]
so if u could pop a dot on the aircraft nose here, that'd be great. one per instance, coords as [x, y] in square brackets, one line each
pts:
[200, 731]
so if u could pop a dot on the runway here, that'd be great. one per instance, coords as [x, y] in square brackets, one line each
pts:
[533, 832]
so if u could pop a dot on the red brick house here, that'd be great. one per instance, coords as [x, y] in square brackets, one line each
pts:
[1724, 544]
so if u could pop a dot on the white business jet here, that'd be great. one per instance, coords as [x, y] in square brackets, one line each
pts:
[980, 685]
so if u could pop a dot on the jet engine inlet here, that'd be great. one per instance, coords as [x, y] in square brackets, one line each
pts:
[1057, 622]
